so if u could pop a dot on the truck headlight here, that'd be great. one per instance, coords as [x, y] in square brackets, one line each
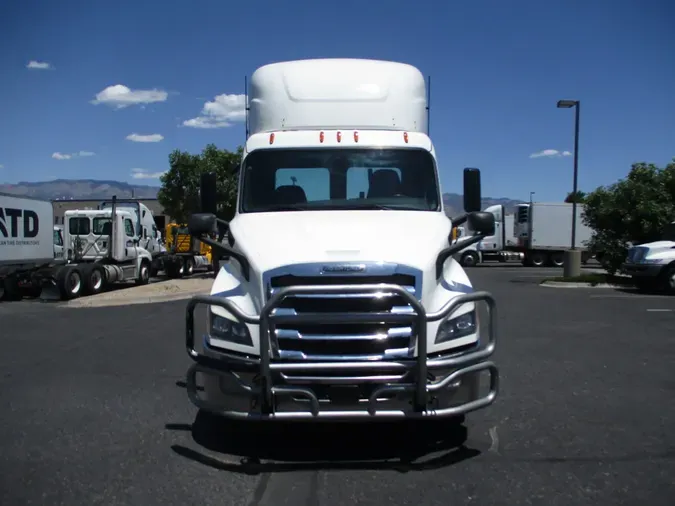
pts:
[652, 261]
[457, 327]
[229, 330]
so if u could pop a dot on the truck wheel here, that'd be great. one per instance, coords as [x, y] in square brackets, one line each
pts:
[9, 289]
[69, 281]
[189, 268]
[469, 259]
[557, 259]
[143, 273]
[537, 259]
[94, 279]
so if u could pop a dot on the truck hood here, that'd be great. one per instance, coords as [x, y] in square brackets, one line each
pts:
[271, 240]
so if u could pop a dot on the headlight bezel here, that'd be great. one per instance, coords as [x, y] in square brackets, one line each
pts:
[231, 331]
[457, 327]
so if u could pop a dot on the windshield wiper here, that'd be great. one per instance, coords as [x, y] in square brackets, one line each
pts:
[289, 207]
[388, 207]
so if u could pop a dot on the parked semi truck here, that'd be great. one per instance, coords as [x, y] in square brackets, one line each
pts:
[544, 231]
[338, 297]
[502, 246]
[184, 252]
[149, 237]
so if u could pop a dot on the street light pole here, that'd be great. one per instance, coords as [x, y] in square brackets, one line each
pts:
[573, 261]
[531, 193]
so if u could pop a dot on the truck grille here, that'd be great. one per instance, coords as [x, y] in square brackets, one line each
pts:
[336, 338]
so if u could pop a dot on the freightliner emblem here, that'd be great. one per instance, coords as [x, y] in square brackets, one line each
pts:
[344, 268]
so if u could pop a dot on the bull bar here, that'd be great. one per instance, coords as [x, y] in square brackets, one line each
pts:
[265, 391]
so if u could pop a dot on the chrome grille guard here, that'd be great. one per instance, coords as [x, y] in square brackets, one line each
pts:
[266, 391]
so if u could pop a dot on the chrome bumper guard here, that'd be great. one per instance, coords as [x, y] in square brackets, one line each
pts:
[265, 393]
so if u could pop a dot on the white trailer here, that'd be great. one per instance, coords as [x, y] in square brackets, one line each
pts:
[352, 309]
[26, 240]
[549, 233]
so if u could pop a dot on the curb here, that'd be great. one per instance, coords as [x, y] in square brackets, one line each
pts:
[84, 303]
[565, 284]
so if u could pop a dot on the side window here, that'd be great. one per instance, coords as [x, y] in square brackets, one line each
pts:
[79, 225]
[154, 232]
[58, 240]
[314, 183]
[102, 226]
[128, 227]
[145, 232]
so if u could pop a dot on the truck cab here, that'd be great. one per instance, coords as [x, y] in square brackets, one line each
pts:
[339, 297]
[144, 223]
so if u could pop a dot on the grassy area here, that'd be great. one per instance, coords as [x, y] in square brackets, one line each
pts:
[595, 279]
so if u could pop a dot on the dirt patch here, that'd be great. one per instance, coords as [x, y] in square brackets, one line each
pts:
[163, 291]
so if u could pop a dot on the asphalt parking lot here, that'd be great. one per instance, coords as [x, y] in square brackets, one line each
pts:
[95, 412]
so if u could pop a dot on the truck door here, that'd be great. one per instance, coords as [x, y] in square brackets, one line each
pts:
[130, 238]
[58, 244]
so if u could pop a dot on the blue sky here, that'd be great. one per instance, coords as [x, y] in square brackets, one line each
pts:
[497, 67]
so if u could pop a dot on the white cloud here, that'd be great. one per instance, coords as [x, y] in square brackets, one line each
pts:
[39, 65]
[145, 138]
[550, 153]
[221, 112]
[119, 96]
[145, 174]
[68, 156]
[2, 166]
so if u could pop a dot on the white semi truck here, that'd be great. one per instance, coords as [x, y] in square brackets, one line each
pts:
[149, 237]
[501, 246]
[337, 296]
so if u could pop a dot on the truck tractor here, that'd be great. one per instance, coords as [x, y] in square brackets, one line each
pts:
[338, 297]
[184, 253]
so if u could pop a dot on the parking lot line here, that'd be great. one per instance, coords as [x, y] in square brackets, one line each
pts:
[659, 310]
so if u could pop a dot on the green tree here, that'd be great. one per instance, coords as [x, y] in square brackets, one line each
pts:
[633, 210]
[579, 197]
[179, 194]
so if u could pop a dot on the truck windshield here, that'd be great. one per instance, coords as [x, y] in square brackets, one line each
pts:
[339, 179]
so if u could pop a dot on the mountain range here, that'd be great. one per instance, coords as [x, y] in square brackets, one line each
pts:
[91, 189]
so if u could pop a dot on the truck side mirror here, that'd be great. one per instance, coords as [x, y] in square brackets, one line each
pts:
[208, 193]
[201, 223]
[482, 223]
[472, 192]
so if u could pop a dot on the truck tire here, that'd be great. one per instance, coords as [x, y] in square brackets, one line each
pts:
[94, 279]
[536, 259]
[69, 282]
[189, 266]
[143, 273]
[9, 289]
[557, 259]
[469, 259]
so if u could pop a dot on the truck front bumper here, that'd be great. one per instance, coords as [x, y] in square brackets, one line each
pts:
[267, 388]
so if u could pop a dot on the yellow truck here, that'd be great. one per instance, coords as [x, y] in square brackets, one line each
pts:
[184, 254]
